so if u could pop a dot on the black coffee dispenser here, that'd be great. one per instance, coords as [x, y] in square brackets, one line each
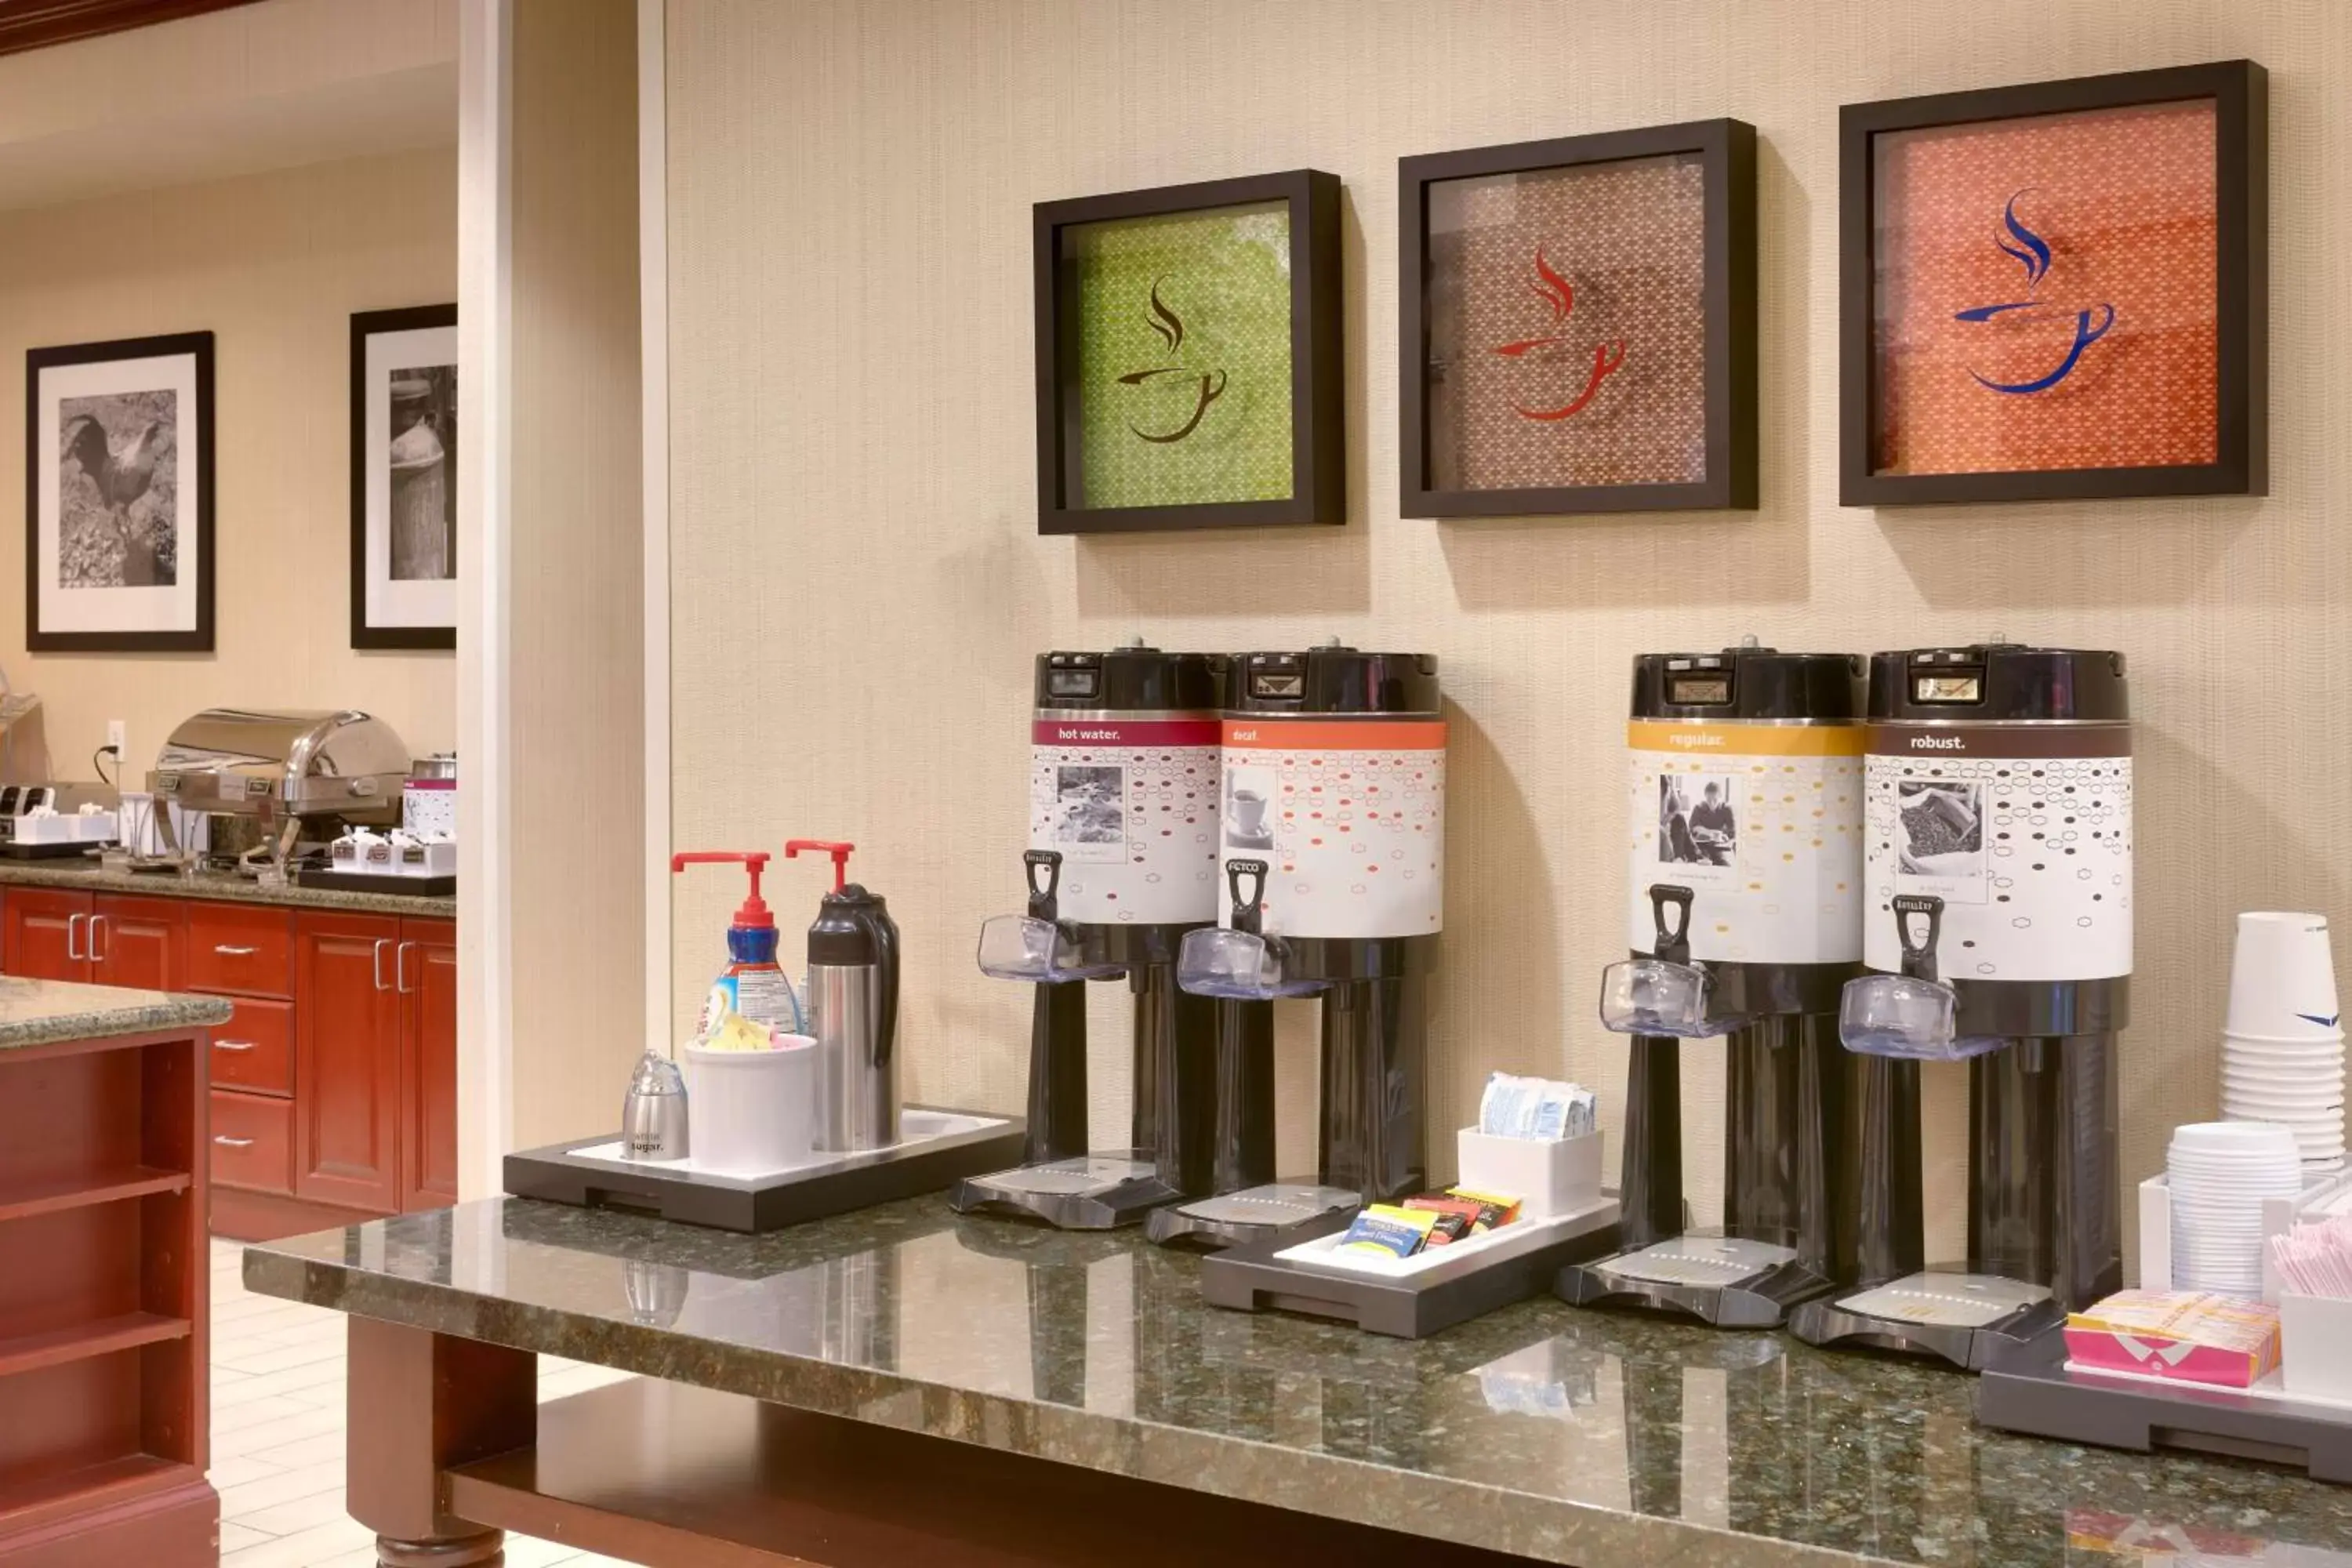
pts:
[1332, 887]
[1999, 817]
[1746, 921]
[1122, 863]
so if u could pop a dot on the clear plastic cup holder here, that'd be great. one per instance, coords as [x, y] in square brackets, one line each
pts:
[1022, 947]
[1217, 960]
[1653, 997]
[1902, 1016]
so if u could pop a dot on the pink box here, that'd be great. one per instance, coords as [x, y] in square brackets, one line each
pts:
[2181, 1335]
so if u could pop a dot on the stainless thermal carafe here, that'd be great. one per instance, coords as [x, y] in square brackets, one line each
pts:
[853, 986]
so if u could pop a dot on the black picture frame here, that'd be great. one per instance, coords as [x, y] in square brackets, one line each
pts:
[2240, 91]
[1726, 150]
[366, 324]
[1318, 414]
[199, 446]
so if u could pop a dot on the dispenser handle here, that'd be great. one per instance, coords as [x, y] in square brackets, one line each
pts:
[1919, 957]
[1673, 945]
[886, 983]
[1248, 908]
[1045, 901]
[753, 860]
[840, 853]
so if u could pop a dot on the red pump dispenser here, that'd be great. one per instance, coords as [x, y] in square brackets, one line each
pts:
[754, 984]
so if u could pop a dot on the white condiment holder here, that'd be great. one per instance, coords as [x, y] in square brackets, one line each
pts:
[1557, 1182]
[2315, 1344]
[96, 827]
[750, 1113]
[2279, 1216]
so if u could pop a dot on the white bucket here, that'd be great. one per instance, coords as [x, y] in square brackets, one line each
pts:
[753, 1112]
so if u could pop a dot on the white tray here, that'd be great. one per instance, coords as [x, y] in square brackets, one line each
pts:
[1432, 1264]
[914, 1127]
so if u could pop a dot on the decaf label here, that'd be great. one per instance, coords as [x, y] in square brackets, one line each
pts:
[1350, 816]
[1763, 823]
[2030, 850]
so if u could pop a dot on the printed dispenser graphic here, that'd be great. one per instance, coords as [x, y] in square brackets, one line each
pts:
[1129, 808]
[1176, 396]
[2089, 323]
[1557, 346]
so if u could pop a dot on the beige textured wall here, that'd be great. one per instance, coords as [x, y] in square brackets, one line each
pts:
[273, 265]
[577, 613]
[859, 587]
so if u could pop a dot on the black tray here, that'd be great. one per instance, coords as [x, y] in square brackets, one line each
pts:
[361, 882]
[2027, 1388]
[1250, 1278]
[767, 1203]
[15, 851]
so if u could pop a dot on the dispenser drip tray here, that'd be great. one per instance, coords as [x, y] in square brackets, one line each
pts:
[1709, 1261]
[1947, 1300]
[1085, 1192]
[1253, 1214]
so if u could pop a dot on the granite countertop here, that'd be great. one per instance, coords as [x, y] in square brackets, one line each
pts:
[221, 884]
[42, 1012]
[1564, 1436]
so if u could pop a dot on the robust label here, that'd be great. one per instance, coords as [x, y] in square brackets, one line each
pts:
[2024, 830]
[1349, 815]
[1762, 823]
[1131, 806]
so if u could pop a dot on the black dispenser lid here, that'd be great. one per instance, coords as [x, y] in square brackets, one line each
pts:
[1134, 679]
[1747, 683]
[846, 932]
[1334, 680]
[1997, 682]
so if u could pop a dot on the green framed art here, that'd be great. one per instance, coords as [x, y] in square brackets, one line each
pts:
[1189, 359]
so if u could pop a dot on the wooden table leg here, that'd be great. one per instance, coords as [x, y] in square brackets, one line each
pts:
[419, 1402]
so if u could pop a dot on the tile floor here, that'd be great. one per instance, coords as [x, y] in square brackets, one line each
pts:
[277, 1432]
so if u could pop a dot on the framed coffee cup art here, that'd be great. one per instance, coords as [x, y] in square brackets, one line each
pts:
[1577, 324]
[1189, 357]
[118, 496]
[2057, 291]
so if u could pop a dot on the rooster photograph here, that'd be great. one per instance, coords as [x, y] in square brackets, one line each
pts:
[118, 491]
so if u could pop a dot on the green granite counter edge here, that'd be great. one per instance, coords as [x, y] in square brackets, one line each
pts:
[143, 1012]
[89, 876]
[1550, 1530]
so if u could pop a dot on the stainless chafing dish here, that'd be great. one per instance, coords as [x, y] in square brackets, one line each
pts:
[289, 768]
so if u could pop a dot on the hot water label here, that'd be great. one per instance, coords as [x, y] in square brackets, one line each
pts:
[1131, 805]
[2024, 830]
[1762, 823]
[1349, 815]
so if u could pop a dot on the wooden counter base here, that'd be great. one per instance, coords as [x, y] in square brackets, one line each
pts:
[453, 1451]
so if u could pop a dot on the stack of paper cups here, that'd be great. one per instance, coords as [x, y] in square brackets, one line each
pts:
[2283, 1047]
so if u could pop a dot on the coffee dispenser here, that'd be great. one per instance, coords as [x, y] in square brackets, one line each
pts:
[1999, 847]
[1745, 919]
[1332, 887]
[1122, 862]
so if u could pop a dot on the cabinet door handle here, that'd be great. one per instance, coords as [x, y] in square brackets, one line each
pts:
[233, 1045]
[225, 1141]
[227, 950]
[73, 930]
[400, 968]
[97, 926]
[381, 943]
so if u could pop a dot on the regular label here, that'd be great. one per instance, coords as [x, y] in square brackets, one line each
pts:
[1762, 823]
[2025, 833]
[1349, 815]
[1131, 806]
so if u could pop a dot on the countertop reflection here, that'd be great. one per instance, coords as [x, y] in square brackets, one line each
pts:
[1562, 1435]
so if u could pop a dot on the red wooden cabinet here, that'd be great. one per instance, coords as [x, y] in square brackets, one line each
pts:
[347, 1060]
[425, 970]
[139, 943]
[47, 935]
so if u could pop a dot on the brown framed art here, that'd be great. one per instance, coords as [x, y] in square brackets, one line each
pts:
[1577, 324]
[1189, 357]
[2056, 290]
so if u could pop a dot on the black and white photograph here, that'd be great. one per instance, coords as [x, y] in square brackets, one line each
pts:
[405, 478]
[118, 496]
[1249, 807]
[1943, 830]
[1089, 805]
[1697, 825]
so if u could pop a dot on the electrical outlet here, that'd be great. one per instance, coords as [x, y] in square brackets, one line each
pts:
[115, 740]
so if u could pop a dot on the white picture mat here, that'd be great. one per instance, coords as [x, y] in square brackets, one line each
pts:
[391, 601]
[171, 609]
